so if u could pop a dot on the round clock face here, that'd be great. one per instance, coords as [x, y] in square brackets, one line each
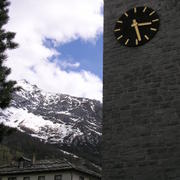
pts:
[137, 26]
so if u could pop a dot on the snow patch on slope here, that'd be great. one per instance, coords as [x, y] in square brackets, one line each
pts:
[54, 118]
[36, 124]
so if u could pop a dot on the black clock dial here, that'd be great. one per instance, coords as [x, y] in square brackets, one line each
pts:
[137, 26]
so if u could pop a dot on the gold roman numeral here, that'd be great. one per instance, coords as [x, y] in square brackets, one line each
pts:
[153, 29]
[117, 30]
[126, 14]
[119, 37]
[135, 10]
[146, 37]
[151, 13]
[155, 20]
[144, 10]
[126, 41]
[119, 22]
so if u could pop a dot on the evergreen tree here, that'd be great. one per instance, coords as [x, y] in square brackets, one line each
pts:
[5, 131]
[7, 87]
[6, 42]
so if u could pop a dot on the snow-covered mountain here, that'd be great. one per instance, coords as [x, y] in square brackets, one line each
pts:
[74, 124]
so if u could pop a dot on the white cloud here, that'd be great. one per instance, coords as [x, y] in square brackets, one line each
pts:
[66, 64]
[61, 21]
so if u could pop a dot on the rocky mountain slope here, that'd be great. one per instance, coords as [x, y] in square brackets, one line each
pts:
[73, 124]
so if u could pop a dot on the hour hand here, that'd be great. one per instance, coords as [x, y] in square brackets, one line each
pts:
[144, 24]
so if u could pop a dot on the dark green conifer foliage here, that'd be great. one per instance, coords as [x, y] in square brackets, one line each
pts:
[7, 87]
[6, 42]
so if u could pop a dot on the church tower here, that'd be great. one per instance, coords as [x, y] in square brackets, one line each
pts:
[141, 113]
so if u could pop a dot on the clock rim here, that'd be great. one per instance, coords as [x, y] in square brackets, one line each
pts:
[131, 46]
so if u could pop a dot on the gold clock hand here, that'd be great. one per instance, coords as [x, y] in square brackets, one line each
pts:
[138, 33]
[135, 25]
[144, 24]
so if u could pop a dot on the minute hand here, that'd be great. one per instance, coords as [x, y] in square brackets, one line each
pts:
[137, 32]
[135, 25]
[144, 24]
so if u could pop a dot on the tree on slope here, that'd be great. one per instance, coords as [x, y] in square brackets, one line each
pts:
[7, 87]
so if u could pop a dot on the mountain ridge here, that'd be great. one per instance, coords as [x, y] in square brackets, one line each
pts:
[74, 124]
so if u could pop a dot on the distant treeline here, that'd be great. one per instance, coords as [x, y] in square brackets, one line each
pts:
[21, 144]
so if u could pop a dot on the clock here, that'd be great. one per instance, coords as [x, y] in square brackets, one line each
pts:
[137, 26]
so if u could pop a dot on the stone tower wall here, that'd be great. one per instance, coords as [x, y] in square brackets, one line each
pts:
[141, 114]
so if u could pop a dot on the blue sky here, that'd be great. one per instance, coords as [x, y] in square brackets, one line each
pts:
[60, 45]
[89, 54]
